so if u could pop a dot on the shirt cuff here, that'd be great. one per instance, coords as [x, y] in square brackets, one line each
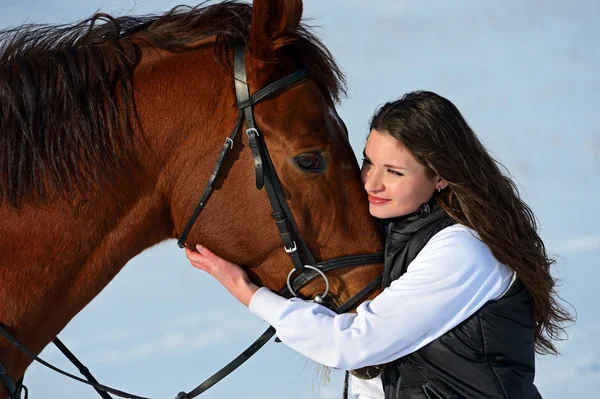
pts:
[267, 305]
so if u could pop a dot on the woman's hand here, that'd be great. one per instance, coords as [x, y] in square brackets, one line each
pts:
[231, 276]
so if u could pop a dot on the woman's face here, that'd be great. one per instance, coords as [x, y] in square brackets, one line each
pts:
[397, 184]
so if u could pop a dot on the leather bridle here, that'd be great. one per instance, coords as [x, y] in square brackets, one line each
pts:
[305, 267]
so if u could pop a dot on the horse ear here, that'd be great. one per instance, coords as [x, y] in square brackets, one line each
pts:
[272, 23]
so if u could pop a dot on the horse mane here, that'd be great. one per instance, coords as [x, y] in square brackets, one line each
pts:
[66, 91]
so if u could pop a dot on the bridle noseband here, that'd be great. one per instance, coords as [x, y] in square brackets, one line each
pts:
[305, 269]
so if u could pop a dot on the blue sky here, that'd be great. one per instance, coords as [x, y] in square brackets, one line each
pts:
[525, 75]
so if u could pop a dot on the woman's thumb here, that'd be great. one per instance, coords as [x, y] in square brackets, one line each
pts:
[204, 251]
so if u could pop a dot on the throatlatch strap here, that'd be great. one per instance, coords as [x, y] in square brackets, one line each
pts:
[227, 146]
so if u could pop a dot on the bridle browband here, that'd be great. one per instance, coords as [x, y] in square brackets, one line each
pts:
[306, 268]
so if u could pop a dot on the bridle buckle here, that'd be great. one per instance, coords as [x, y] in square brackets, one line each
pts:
[290, 250]
[252, 130]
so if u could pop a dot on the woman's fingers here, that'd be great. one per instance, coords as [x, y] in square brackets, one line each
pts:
[197, 260]
[231, 276]
[213, 258]
[191, 254]
[206, 260]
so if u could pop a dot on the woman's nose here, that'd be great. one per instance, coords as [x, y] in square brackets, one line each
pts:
[372, 181]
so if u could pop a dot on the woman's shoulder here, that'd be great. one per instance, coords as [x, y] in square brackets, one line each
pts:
[459, 244]
[457, 256]
[458, 234]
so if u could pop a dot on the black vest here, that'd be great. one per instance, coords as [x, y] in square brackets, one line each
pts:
[489, 355]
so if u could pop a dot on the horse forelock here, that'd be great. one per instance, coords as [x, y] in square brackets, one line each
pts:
[66, 91]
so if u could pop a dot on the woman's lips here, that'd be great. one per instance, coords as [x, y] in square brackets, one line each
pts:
[377, 200]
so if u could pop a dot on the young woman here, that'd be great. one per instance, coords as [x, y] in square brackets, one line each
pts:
[468, 296]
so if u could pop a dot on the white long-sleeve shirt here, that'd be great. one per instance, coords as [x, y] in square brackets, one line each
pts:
[453, 276]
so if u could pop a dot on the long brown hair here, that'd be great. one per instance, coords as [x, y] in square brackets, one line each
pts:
[479, 196]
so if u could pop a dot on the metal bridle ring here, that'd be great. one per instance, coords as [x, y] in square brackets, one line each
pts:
[289, 278]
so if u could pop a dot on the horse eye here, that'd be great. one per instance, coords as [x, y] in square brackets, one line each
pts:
[310, 162]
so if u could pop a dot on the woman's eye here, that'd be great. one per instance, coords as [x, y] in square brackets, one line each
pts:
[395, 172]
[311, 162]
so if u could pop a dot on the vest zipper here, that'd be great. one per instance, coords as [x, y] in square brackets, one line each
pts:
[428, 389]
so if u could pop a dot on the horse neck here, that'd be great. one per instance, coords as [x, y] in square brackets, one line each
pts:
[58, 254]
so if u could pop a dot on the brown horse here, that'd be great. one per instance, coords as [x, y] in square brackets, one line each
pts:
[110, 128]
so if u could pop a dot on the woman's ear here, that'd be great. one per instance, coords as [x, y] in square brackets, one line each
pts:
[440, 184]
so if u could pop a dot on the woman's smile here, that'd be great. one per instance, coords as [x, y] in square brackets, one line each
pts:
[377, 200]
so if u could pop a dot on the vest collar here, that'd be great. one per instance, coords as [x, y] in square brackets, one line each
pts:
[399, 223]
